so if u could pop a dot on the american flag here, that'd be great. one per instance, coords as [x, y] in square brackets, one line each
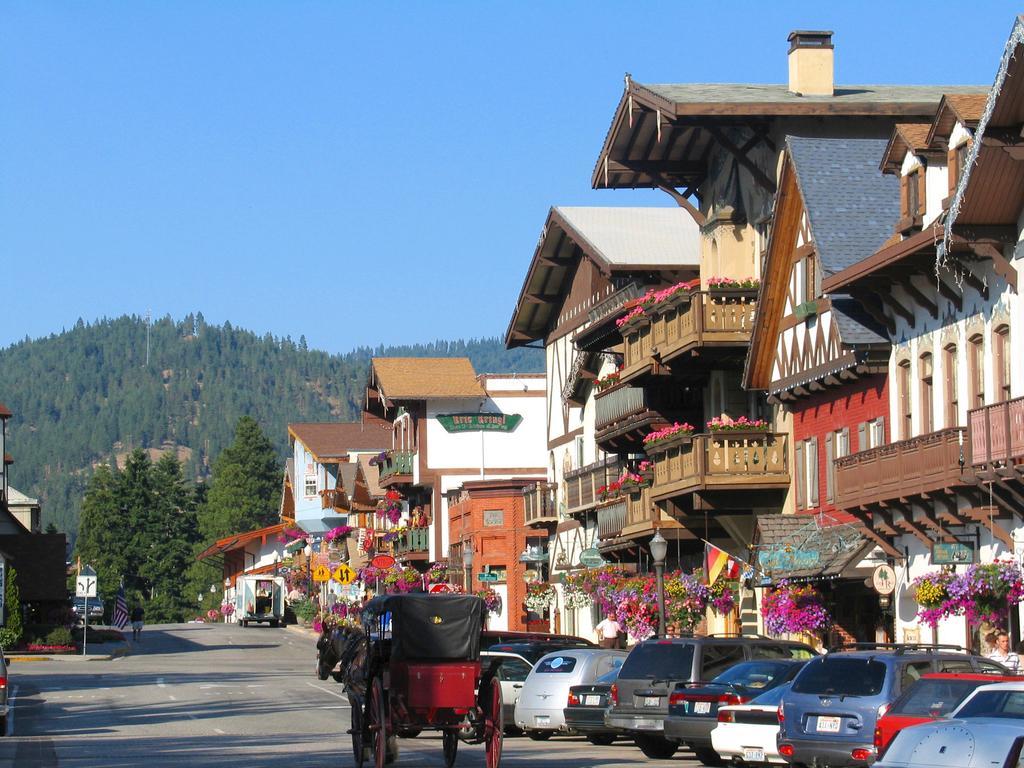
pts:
[120, 609]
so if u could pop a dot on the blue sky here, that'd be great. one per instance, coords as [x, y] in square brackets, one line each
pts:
[360, 173]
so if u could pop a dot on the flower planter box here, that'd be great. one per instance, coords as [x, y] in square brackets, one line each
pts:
[683, 438]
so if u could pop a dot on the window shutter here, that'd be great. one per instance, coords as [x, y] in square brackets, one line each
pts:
[951, 168]
[829, 469]
[812, 472]
[921, 200]
[800, 474]
[862, 436]
[881, 429]
[904, 196]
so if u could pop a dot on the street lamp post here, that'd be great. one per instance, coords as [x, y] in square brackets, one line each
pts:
[659, 549]
[467, 561]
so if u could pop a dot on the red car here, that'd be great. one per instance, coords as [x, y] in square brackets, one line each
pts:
[932, 697]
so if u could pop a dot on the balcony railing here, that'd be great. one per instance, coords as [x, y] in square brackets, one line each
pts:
[617, 404]
[722, 461]
[996, 432]
[581, 485]
[905, 468]
[414, 540]
[539, 504]
[708, 318]
[334, 498]
[611, 519]
[397, 467]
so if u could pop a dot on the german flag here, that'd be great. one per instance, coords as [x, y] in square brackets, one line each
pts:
[717, 562]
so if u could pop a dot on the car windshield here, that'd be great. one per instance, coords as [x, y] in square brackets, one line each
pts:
[753, 674]
[994, 704]
[934, 697]
[773, 696]
[841, 677]
[670, 661]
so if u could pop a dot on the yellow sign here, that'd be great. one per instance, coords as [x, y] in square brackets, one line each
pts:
[343, 574]
[321, 573]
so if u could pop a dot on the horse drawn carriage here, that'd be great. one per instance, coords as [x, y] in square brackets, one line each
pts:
[417, 667]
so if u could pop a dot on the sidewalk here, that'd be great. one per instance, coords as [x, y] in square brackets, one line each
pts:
[308, 631]
[102, 652]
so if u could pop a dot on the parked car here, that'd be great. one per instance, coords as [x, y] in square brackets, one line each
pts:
[533, 650]
[747, 732]
[542, 700]
[639, 698]
[693, 707]
[932, 697]
[828, 717]
[512, 670]
[975, 742]
[584, 710]
[3, 694]
[491, 637]
[78, 605]
[995, 700]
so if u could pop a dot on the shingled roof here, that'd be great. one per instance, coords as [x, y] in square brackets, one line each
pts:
[335, 440]
[804, 547]
[422, 378]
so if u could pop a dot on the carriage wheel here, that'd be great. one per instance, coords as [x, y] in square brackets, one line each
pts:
[450, 744]
[494, 725]
[358, 748]
[379, 721]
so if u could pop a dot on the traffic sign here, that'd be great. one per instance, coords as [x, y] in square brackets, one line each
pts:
[382, 561]
[321, 573]
[440, 589]
[487, 576]
[343, 574]
[85, 583]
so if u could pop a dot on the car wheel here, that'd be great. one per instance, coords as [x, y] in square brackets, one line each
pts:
[656, 747]
[601, 739]
[3, 725]
[709, 757]
[539, 735]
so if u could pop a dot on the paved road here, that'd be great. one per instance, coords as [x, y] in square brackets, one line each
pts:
[220, 695]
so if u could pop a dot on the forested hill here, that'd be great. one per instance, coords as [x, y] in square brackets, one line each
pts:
[83, 395]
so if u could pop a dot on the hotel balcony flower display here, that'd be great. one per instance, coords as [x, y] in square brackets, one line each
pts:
[653, 300]
[730, 284]
[634, 313]
[662, 438]
[608, 381]
[742, 424]
[985, 592]
[790, 609]
[627, 482]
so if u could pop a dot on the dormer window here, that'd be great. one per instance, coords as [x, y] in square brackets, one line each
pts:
[912, 198]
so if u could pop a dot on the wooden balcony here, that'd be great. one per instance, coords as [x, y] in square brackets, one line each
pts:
[623, 414]
[611, 519]
[397, 468]
[335, 498]
[581, 485]
[539, 506]
[906, 468]
[632, 515]
[995, 433]
[701, 321]
[725, 461]
[414, 544]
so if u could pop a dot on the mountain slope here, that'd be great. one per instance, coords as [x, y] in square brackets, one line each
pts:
[84, 395]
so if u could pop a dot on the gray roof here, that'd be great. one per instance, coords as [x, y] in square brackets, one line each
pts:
[851, 205]
[856, 327]
[805, 547]
[757, 93]
[637, 236]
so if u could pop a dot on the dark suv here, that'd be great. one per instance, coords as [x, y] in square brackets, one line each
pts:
[828, 717]
[639, 698]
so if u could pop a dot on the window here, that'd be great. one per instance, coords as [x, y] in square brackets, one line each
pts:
[311, 485]
[835, 676]
[718, 658]
[807, 472]
[906, 414]
[976, 371]
[925, 365]
[803, 280]
[911, 673]
[952, 393]
[649, 660]
[912, 198]
[557, 664]
[957, 159]
[871, 434]
[513, 670]
[1001, 362]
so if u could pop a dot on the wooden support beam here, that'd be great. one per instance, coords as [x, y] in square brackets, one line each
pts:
[951, 294]
[759, 176]
[922, 517]
[882, 542]
[916, 530]
[915, 293]
[974, 281]
[1000, 265]
[873, 306]
[986, 515]
[896, 306]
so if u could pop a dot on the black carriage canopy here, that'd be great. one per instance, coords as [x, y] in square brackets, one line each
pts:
[425, 626]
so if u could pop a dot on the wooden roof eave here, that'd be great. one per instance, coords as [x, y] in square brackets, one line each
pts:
[923, 241]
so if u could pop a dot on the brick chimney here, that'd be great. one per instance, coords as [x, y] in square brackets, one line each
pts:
[811, 62]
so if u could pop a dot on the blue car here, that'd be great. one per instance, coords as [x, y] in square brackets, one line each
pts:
[828, 717]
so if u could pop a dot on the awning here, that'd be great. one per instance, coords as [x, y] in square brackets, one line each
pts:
[319, 521]
[805, 547]
[294, 546]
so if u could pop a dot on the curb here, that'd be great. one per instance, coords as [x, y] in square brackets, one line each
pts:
[115, 653]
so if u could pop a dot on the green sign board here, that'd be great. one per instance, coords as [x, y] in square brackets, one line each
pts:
[591, 558]
[956, 553]
[487, 576]
[479, 422]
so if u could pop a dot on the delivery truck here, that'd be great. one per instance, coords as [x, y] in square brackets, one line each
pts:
[259, 599]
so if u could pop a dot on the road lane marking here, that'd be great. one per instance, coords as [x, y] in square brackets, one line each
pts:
[218, 730]
[160, 683]
[256, 686]
[331, 693]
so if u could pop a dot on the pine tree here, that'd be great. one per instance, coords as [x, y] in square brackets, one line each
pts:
[103, 536]
[171, 527]
[10, 633]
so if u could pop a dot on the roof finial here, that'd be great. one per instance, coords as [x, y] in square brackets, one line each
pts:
[628, 80]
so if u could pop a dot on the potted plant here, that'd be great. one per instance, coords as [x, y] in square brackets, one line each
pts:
[793, 609]
[742, 424]
[666, 437]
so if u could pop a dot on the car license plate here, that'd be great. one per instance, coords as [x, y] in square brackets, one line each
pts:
[542, 719]
[652, 701]
[648, 725]
[701, 707]
[828, 724]
[753, 755]
[591, 701]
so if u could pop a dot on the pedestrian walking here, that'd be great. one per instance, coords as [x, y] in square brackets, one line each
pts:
[608, 632]
[1003, 654]
[137, 614]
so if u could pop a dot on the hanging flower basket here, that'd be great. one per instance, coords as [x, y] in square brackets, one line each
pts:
[982, 593]
[491, 598]
[793, 609]
[539, 597]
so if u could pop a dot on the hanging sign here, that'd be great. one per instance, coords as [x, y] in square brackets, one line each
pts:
[591, 558]
[956, 553]
[883, 579]
[382, 561]
[479, 422]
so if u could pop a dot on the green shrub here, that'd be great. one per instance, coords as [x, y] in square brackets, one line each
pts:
[304, 609]
[59, 636]
[11, 632]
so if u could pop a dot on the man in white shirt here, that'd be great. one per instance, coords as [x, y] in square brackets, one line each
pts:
[608, 632]
[1004, 655]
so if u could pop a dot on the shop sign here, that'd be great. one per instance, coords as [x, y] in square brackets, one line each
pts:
[955, 553]
[479, 422]
[883, 579]
[494, 518]
[383, 562]
[785, 558]
[591, 558]
[486, 576]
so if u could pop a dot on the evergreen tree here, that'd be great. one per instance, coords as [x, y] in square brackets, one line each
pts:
[103, 536]
[10, 633]
[171, 526]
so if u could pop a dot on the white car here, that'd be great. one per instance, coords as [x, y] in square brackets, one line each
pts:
[545, 694]
[746, 732]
